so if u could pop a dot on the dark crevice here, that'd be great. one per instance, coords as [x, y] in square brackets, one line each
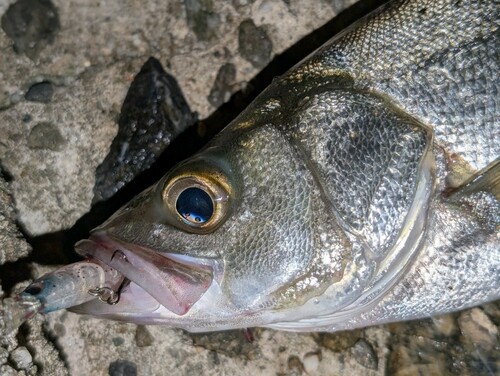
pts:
[4, 174]
[13, 273]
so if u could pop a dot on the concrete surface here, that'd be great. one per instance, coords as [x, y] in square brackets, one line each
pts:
[65, 67]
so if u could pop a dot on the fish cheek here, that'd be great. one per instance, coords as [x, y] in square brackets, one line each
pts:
[269, 234]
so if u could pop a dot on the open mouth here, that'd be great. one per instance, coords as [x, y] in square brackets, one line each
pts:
[175, 281]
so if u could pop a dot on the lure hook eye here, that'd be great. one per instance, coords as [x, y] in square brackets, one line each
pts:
[105, 294]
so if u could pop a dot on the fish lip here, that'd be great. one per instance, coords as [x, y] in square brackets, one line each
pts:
[175, 281]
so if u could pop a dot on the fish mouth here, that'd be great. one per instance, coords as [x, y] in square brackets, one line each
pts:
[176, 282]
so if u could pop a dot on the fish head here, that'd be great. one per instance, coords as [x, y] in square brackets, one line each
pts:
[258, 228]
[222, 240]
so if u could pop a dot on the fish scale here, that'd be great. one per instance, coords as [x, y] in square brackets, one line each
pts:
[359, 190]
[406, 42]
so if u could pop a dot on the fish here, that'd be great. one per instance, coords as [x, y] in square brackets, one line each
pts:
[361, 187]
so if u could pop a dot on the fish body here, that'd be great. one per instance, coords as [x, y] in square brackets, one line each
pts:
[359, 188]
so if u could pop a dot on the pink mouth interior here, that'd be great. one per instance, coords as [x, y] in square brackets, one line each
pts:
[174, 285]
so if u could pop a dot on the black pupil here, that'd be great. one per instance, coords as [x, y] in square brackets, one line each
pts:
[195, 205]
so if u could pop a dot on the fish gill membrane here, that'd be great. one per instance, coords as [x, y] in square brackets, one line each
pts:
[65, 287]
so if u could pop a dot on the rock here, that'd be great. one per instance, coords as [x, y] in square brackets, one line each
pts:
[153, 114]
[32, 370]
[31, 24]
[295, 365]
[59, 330]
[478, 328]
[40, 92]
[122, 368]
[445, 324]
[45, 136]
[21, 358]
[364, 354]
[311, 362]
[143, 337]
[254, 44]
[338, 341]
[222, 88]
[202, 18]
[118, 341]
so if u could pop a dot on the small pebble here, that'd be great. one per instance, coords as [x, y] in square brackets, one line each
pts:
[364, 354]
[222, 88]
[60, 330]
[445, 324]
[40, 92]
[311, 362]
[477, 327]
[47, 136]
[202, 18]
[214, 358]
[32, 370]
[338, 342]
[122, 368]
[143, 337]
[21, 358]
[254, 45]
[295, 365]
[118, 341]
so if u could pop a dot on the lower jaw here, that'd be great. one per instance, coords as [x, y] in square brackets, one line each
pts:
[175, 285]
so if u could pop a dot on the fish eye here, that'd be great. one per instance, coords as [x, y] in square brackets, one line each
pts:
[197, 203]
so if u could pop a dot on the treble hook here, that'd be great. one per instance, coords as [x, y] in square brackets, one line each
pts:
[107, 294]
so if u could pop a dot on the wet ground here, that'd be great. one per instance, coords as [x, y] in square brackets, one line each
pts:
[65, 69]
